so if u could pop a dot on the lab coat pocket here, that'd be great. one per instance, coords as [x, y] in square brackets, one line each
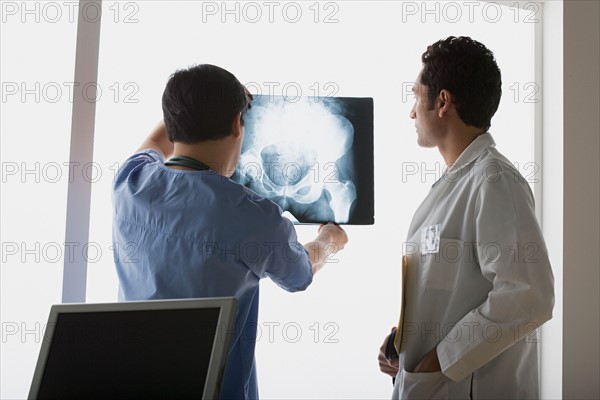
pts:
[425, 385]
[440, 270]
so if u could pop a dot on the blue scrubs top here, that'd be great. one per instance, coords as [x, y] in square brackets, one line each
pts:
[186, 234]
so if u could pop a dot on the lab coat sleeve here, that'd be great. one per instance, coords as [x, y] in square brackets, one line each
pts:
[512, 255]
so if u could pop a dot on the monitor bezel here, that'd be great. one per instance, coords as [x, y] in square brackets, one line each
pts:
[226, 305]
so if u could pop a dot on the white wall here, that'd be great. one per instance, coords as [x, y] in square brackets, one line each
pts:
[37, 57]
[552, 205]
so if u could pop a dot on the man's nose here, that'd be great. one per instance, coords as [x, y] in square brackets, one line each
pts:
[412, 114]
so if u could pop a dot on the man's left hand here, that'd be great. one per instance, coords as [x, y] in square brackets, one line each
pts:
[429, 363]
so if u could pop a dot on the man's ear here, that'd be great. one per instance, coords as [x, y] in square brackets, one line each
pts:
[444, 102]
[237, 126]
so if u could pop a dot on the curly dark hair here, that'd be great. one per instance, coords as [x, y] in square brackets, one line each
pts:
[469, 71]
[200, 103]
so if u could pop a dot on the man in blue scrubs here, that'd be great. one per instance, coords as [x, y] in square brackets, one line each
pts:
[196, 233]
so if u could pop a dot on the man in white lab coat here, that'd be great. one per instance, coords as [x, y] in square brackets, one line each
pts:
[477, 280]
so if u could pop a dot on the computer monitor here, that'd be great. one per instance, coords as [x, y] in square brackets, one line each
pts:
[146, 349]
[311, 155]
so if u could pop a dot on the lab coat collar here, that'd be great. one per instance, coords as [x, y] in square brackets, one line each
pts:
[474, 150]
[470, 154]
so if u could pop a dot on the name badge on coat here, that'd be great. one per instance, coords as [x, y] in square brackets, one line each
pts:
[430, 239]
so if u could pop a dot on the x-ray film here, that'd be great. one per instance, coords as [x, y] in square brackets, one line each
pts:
[312, 155]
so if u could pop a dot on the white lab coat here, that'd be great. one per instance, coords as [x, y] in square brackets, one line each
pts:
[478, 283]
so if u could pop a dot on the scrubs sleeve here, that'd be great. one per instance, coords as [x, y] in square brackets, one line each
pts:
[129, 171]
[512, 255]
[286, 261]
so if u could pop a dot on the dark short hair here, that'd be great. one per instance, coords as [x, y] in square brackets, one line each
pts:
[200, 103]
[469, 71]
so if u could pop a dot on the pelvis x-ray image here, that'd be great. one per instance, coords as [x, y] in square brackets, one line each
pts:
[313, 156]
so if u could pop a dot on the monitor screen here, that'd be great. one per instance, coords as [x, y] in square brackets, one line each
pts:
[144, 353]
[311, 155]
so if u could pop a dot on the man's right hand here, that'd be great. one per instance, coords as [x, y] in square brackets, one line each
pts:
[333, 234]
[330, 239]
[388, 367]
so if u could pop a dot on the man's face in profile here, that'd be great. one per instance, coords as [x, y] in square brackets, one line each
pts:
[426, 119]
